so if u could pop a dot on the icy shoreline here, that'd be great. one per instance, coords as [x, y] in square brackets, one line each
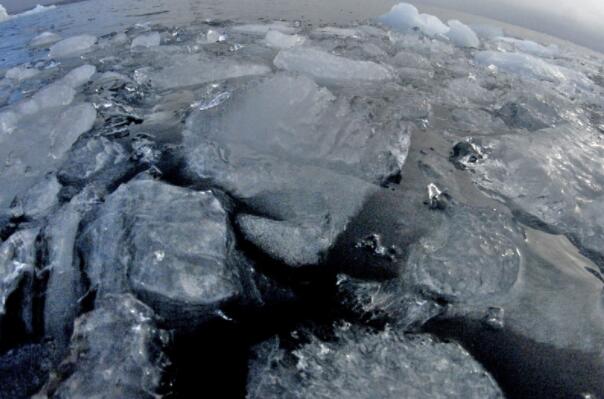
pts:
[404, 208]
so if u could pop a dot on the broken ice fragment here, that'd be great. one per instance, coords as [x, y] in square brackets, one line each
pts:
[171, 246]
[79, 76]
[213, 36]
[44, 39]
[404, 17]
[374, 244]
[495, 318]
[214, 102]
[18, 256]
[151, 39]
[360, 363]
[191, 70]
[325, 66]
[465, 153]
[21, 72]
[436, 198]
[488, 264]
[462, 35]
[115, 349]
[72, 46]
[282, 41]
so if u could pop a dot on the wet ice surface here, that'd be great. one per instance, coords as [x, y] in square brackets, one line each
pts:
[408, 207]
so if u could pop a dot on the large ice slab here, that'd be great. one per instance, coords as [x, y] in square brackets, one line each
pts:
[299, 155]
[44, 39]
[325, 66]
[554, 175]
[171, 246]
[191, 70]
[37, 145]
[362, 364]
[489, 264]
[72, 46]
[532, 67]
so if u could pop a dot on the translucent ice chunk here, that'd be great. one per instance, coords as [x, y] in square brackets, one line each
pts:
[299, 155]
[462, 35]
[326, 66]
[38, 144]
[530, 47]
[404, 17]
[191, 70]
[488, 265]
[116, 349]
[262, 30]
[358, 364]
[22, 72]
[45, 39]
[174, 250]
[78, 76]
[17, 270]
[282, 41]
[72, 46]
[528, 66]
[151, 39]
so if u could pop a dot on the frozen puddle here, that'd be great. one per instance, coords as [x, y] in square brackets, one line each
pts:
[408, 207]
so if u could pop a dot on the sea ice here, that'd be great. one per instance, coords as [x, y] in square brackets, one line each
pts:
[192, 70]
[325, 66]
[404, 17]
[72, 46]
[151, 39]
[490, 262]
[532, 67]
[39, 200]
[280, 40]
[17, 268]
[65, 284]
[44, 39]
[358, 364]
[171, 246]
[21, 72]
[262, 30]
[79, 76]
[462, 35]
[300, 156]
[37, 145]
[115, 349]
[532, 48]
